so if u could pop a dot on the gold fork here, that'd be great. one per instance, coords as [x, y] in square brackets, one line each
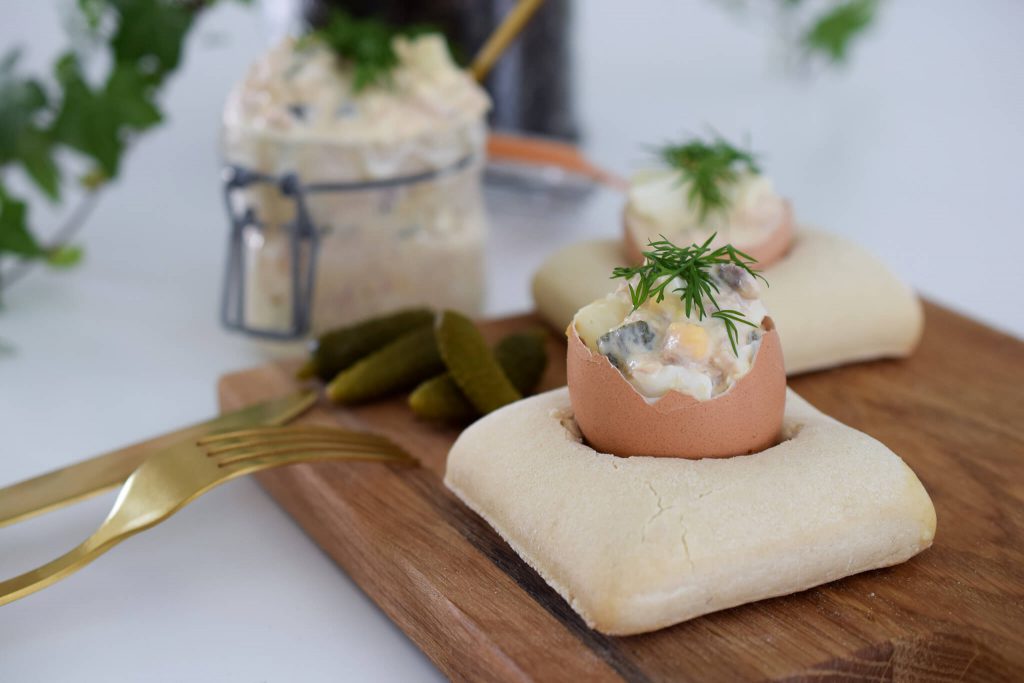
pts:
[172, 478]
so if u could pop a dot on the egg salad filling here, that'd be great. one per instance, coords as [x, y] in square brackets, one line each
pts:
[659, 348]
[659, 204]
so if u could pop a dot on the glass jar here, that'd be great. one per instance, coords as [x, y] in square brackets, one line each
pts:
[336, 222]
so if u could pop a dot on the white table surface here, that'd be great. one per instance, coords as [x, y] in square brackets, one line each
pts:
[912, 150]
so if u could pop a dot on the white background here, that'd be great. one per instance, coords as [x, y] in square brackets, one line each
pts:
[915, 150]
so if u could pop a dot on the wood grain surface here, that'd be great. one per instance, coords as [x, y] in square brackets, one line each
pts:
[954, 412]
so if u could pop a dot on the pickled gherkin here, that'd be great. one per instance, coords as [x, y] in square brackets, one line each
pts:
[440, 398]
[338, 349]
[472, 365]
[402, 364]
[522, 357]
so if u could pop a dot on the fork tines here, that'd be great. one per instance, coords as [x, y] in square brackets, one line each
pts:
[250, 444]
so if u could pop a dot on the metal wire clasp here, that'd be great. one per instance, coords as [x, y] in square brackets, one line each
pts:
[303, 240]
[303, 243]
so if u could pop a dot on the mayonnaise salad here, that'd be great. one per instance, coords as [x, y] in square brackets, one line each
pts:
[658, 348]
[658, 204]
[302, 91]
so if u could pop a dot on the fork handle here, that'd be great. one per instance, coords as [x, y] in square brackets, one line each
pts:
[104, 539]
[53, 571]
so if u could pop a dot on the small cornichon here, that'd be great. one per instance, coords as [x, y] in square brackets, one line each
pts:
[398, 366]
[521, 355]
[472, 365]
[338, 349]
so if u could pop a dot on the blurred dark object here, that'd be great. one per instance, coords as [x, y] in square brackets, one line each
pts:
[531, 84]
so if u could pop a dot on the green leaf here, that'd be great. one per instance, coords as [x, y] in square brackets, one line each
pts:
[14, 235]
[130, 97]
[96, 121]
[65, 257]
[10, 60]
[21, 139]
[21, 100]
[834, 32]
[92, 10]
[150, 34]
[86, 121]
[35, 152]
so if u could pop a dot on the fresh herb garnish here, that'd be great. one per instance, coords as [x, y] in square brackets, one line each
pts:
[664, 262]
[835, 31]
[366, 44]
[708, 169]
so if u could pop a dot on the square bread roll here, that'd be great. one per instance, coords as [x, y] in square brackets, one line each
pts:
[637, 544]
[832, 301]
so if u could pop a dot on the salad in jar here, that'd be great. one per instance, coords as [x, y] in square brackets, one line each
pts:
[354, 181]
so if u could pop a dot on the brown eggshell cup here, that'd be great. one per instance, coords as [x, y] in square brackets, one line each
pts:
[767, 251]
[615, 418]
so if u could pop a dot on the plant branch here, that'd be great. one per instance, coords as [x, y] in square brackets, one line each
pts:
[63, 237]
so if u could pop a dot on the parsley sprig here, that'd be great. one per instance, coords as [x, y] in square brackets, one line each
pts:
[664, 262]
[708, 169]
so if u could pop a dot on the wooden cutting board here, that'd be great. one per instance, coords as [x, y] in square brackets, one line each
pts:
[954, 412]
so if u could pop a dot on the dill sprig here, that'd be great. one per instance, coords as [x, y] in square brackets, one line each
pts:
[664, 262]
[708, 168]
[366, 44]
